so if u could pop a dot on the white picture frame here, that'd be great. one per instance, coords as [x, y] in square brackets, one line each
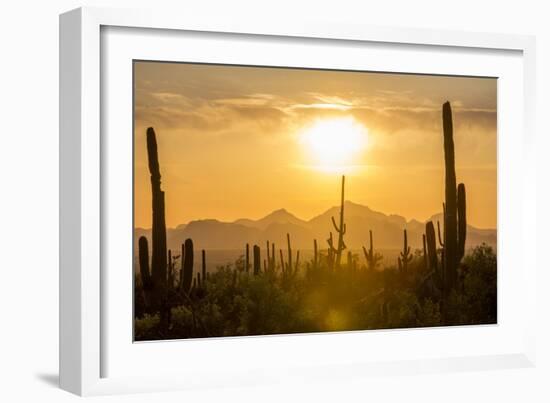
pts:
[96, 43]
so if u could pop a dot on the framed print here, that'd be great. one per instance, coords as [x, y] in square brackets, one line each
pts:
[267, 199]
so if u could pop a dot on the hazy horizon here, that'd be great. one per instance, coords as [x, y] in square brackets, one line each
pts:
[241, 142]
[309, 218]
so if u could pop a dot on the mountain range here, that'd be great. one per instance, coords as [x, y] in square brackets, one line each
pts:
[211, 234]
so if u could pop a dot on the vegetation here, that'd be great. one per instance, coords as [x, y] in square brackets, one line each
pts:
[429, 287]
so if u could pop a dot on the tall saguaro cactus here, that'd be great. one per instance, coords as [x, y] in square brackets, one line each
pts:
[341, 228]
[159, 253]
[450, 229]
[455, 207]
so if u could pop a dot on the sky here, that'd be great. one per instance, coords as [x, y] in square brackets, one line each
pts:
[240, 142]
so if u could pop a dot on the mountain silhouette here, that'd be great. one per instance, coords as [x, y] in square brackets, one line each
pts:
[387, 231]
[280, 216]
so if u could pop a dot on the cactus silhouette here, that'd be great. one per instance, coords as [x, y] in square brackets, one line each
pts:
[315, 254]
[159, 252]
[203, 258]
[340, 229]
[430, 246]
[461, 211]
[186, 272]
[270, 263]
[450, 215]
[247, 258]
[331, 251]
[372, 257]
[273, 258]
[454, 215]
[289, 250]
[405, 256]
[256, 259]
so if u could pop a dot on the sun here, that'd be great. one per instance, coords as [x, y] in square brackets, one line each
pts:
[334, 144]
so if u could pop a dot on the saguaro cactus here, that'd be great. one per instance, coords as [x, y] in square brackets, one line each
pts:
[430, 246]
[405, 256]
[315, 254]
[450, 228]
[289, 250]
[331, 253]
[270, 262]
[371, 257]
[247, 258]
[273, 258]
[461, 211]
[455, 207]
[256, 259]
[186, 272]
[203, 256]
[159, 253]
[341, 228]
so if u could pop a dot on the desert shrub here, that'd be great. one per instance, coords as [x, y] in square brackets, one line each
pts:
[235, 303]
[474, 300]
[146, 328]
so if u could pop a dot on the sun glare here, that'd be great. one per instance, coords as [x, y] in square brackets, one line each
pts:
[335, 144]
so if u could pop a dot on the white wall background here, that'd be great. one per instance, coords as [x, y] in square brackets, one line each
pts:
[29, 200]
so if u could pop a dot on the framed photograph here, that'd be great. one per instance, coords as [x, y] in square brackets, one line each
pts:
[254, 203]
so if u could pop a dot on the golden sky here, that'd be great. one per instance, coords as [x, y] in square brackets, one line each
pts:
[240, 142]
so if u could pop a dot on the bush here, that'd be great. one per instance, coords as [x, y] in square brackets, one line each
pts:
[236, 303]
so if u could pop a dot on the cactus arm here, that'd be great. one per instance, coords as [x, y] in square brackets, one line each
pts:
[441, 243]
[334, 224]
[450, 230]
[366, 255]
